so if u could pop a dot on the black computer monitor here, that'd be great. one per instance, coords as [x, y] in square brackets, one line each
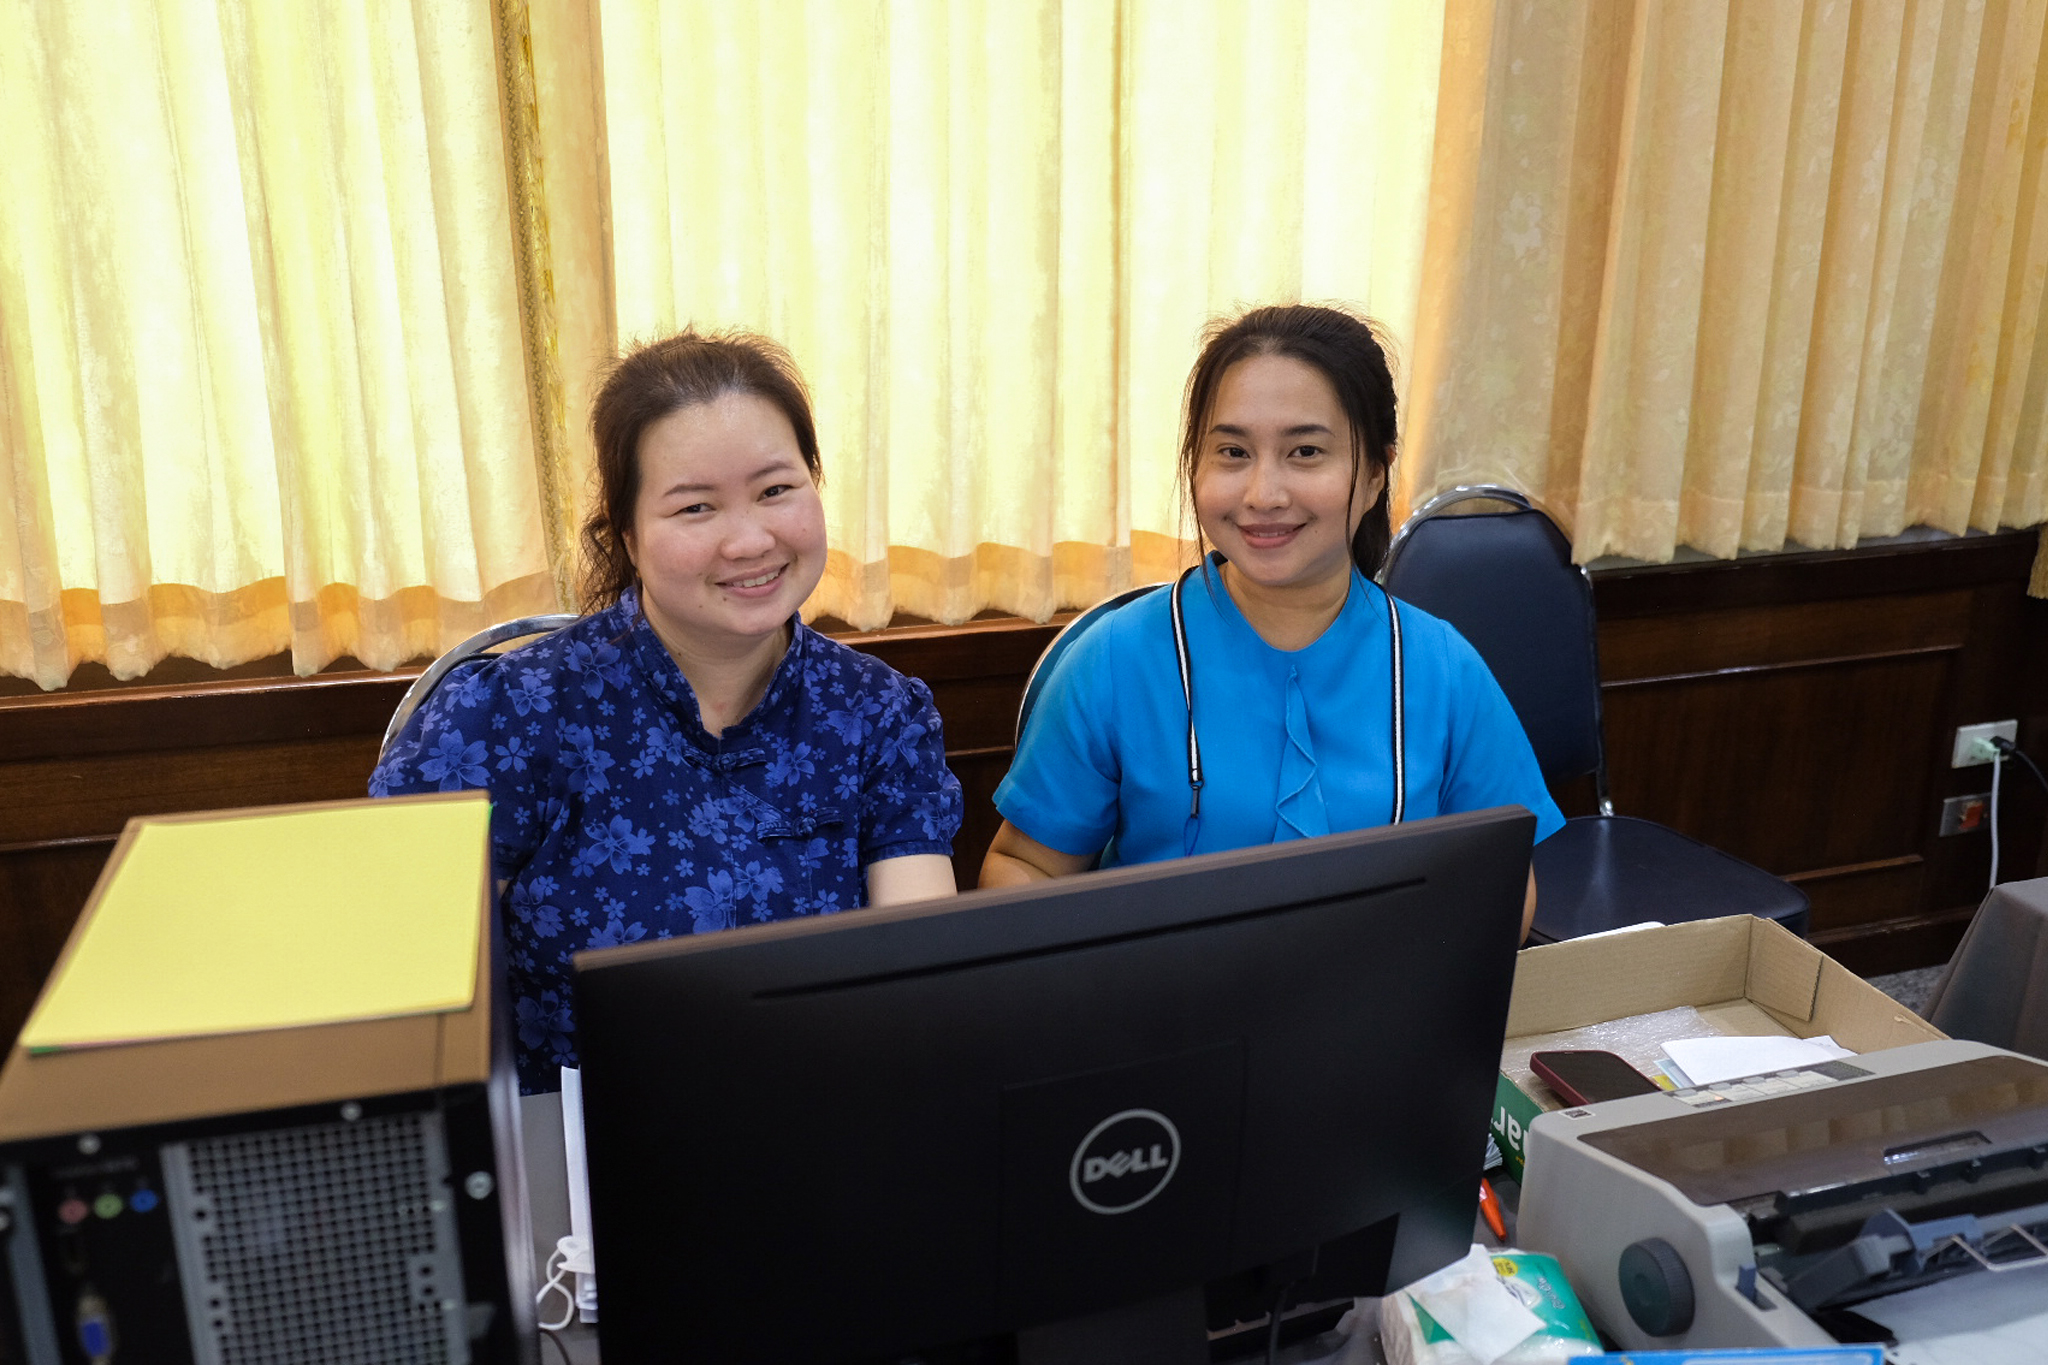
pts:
[1058, 1108]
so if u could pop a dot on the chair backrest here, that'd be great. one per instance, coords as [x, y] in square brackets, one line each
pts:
[424, 685]
[1507, 582]
[1064, 641]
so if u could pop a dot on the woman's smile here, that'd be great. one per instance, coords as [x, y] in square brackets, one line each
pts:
[1262, 536]
[758, 585]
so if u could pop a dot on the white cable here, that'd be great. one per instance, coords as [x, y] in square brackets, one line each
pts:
[1997, 766]
[559, 1267]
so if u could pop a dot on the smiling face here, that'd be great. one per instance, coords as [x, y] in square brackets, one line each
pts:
[1278, 487]
[728, 531]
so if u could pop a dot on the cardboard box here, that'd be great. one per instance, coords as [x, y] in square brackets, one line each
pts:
[1633, 992]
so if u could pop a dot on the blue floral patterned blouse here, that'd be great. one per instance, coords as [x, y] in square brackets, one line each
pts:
[616, 817]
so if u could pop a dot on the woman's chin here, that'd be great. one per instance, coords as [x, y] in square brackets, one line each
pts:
[1284, 569]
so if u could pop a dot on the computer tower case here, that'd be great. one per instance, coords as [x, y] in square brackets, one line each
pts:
[344, 1192]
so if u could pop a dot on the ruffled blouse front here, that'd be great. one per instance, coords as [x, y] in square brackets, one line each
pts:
[1301, 809]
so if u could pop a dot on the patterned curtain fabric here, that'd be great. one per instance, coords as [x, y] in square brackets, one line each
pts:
[1730, 275]
[991, 233]
[261, 376]
[301, 304]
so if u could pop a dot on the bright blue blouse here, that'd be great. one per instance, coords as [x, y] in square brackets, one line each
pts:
[1294, 743]
[616, 817]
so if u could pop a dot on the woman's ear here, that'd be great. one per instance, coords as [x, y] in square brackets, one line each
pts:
[1374, 480]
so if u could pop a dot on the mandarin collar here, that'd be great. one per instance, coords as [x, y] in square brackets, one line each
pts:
[665, 676]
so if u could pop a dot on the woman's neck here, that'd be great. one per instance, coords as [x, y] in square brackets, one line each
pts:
[1292, 617]
[728, 686]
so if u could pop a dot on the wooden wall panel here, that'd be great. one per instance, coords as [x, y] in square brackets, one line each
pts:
[1794, 709]
[1731, 639]
[976, 673]
[1798, 711]
[58, 798]
[42, 888]
[1794, 768]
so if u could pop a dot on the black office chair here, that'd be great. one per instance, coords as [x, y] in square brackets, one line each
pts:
[1507, 582]
[424, 685]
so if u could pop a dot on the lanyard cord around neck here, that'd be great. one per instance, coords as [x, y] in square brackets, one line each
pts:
[1398, 719]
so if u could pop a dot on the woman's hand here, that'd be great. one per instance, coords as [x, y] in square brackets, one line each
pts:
[913, 877]
[1016, 859]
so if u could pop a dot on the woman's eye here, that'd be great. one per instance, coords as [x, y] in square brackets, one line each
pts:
[694, 509]
[1232, 452]
[1307, 452]
[776, 490]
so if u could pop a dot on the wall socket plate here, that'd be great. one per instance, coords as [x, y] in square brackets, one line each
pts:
[1964, 814]
[1967, 736]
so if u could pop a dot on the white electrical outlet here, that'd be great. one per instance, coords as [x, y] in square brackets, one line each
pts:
[1973, 742]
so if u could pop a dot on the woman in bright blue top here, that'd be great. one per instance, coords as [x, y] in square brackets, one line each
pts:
[1289, 438]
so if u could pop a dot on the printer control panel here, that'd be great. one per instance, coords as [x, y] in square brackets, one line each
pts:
[1773, 1083]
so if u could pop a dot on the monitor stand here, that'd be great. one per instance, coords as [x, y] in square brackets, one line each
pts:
[1165, 1331]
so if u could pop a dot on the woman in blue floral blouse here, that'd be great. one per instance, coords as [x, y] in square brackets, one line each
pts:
[689, 756]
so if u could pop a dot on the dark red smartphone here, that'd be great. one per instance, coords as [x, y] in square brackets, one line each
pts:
[1588, 1077]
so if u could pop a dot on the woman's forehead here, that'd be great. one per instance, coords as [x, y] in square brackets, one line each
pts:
[734, 438]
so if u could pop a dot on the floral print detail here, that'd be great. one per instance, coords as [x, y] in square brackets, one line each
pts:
[544, 1025]
[617, 819]
[530, 694]
[455, 765]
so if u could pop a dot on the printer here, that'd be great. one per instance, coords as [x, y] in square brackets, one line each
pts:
[1762, 1212]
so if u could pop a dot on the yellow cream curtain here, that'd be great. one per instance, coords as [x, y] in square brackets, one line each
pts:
[261, 376]
[990, 233]
[1729, 275]
[300, 304]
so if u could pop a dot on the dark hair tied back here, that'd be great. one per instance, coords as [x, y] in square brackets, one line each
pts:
[647, 384]
[1348, 351]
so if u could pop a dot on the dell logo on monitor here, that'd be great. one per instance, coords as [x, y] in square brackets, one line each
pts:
[1124, 1161]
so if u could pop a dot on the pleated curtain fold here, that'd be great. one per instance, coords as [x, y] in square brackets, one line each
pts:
[991, 234]
[1735, 275]
[262, 384]
[301, 305]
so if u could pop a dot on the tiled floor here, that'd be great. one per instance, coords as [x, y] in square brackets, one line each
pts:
[1910, 989]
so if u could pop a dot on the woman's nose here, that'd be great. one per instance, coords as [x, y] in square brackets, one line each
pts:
[1267, 486]
[746, 537]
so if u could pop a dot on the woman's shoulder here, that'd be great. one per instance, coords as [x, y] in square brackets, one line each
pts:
[824, 655]
[858, 692]
[1135, 627]
[550, 678]
[592, 640]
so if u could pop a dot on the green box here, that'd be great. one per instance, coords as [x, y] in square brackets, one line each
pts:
[1513, 1111]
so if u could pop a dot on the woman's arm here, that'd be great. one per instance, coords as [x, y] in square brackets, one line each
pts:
[1016, 859]
[1528, 905]
[912, 877]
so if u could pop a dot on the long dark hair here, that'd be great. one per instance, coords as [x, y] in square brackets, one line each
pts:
[1345, 349]
[647, 384]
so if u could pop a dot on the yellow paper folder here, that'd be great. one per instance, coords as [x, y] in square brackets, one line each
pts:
[275, 919]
